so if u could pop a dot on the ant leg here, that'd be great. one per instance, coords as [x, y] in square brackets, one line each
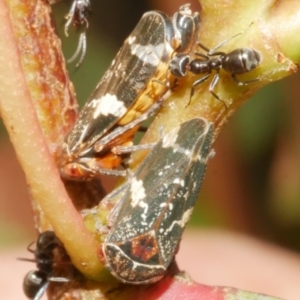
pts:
[209, 52]
[213, 50]
[59, 279]
[241, 83]
[26, 259]
[201, 80]
[213, 85]
[203, 47]
[196, 83]
[70, 17]
[219, 53]
[29, 247]
[81, 47]
[201, 55]
[41, 291]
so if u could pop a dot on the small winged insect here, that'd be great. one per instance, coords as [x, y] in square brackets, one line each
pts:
[78, 16]
[127, 94]
[36, 281]
[148, 221]
[238, 61]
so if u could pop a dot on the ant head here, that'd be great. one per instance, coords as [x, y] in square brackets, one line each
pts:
[178, 65]
[47, 241]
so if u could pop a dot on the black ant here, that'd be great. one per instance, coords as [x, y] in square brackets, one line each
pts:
[36, 282]
[238, 61]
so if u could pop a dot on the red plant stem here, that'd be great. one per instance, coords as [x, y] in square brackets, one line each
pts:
[42, 175]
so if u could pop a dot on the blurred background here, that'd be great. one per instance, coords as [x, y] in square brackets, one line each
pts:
[252, 184]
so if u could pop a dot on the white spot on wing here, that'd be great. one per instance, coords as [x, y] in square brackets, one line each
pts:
[137, 191]
[93, 103]
[170, 138]
[149, 54]
[186, 195]
[144, 205]
[131, 39]
[212, 153]
[179, 181]
[109, 104]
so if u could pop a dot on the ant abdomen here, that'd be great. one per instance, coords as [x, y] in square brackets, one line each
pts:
[240, 61]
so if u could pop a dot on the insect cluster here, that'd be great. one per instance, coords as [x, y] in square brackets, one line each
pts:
[155, 202]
